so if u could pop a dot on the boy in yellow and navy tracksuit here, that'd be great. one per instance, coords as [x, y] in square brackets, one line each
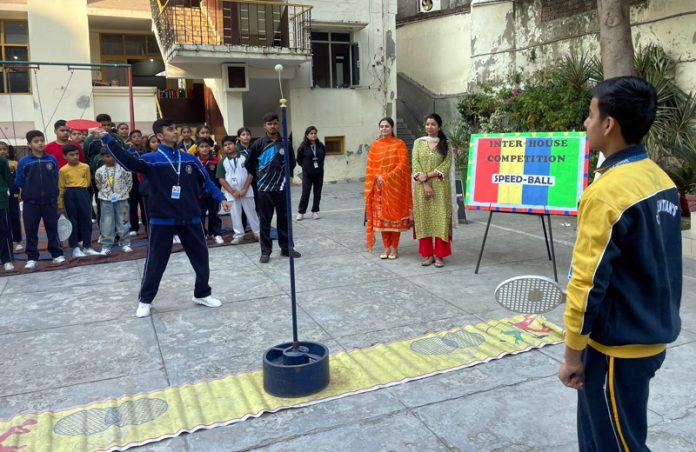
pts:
[625, 288]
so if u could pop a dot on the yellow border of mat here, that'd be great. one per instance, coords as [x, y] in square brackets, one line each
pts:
[150, 417]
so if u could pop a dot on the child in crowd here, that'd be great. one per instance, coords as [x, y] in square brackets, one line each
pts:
[74, 180]
[37, 179]
[55, 148]
[236, 181]
[203, 133]
[209, 205]
[77, 136]
[186, 140]
[114, 185]
[151, 145]
[8, 152]
[135, 200]
[6, 256]
[122, 130]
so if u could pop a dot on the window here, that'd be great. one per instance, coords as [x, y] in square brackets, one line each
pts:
[14, 39]
[335, 60]
[335, 145]
[139, 50]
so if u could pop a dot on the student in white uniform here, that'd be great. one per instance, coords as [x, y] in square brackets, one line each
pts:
[236, 181]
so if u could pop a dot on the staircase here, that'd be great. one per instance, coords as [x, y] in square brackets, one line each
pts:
[403, 132]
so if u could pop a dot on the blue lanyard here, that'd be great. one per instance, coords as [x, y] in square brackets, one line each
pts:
[177, 170]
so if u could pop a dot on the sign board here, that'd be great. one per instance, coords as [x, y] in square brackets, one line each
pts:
[538, 172]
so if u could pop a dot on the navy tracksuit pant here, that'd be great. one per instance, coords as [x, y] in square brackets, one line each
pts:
[33, 214]
[613, 407]
[159, 248]
[209, 210]
[5, 237]
[78, 209]
[15, 224]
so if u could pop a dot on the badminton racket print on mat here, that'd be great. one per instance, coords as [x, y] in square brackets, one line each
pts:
[529, 294]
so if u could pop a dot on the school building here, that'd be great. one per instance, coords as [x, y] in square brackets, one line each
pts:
[446, 48]
[202, 61]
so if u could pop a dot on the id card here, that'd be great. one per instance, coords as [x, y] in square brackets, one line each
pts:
[176, 192]
[316, 164]
[233, 180]
[114, 198]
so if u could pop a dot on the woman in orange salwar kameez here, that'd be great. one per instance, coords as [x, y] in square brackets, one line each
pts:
[388, 199]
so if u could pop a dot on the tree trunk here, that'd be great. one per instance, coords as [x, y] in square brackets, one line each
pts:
[615, 37]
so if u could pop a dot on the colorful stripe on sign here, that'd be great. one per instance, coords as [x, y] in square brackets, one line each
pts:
[537, 165]
[514, 150]
[485, 169]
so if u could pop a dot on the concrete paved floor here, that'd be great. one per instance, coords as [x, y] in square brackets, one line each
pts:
[69, 337]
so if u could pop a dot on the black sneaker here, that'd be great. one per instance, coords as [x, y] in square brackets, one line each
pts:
[264, 258]
[285, 253]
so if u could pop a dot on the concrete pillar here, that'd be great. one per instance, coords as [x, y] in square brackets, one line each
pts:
[59, 32]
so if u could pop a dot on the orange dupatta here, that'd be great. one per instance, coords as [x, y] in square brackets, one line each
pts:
[389, 207]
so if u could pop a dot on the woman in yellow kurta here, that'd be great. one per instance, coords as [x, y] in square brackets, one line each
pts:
[432, 212]
[388, 201]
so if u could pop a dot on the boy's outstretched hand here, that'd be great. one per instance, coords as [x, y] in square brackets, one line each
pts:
[98, 132]
[226, 205]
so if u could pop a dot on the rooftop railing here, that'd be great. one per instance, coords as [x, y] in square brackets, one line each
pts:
[252, 23]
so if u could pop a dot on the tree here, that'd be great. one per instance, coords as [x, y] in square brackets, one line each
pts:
[615, 37]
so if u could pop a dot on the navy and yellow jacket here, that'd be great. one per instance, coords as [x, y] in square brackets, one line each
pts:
[626, 282]
[158, 170]
[37, 177]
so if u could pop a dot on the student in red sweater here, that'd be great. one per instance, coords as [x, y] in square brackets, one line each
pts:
[55, 148]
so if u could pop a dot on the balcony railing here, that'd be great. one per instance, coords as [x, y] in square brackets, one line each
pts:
[267, 24]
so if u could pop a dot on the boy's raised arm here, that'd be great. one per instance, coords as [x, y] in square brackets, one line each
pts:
[123, 157]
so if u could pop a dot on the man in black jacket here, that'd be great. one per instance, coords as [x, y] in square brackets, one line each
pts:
[266, 162]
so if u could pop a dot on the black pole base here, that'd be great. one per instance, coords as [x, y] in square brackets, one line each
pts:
[296, 370]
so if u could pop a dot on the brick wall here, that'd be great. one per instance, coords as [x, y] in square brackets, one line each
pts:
[556, 9]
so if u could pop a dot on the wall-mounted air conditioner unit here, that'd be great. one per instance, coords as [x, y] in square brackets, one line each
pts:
[428, 6]
[235, 77]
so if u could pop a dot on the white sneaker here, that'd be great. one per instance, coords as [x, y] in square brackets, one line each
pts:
[132, 233]
[177, 240]
[19, 247]
[218, 240]
[93, 221]
[143, 310]
[99, 240]
[236, 240]
[126, 249]
[299, 217]
[77, 252]
[80, 244]
[105, 252]
[315, 215]
[91, 252]
[208, 301]
[31, 265]
[59, 260]
[9, 267]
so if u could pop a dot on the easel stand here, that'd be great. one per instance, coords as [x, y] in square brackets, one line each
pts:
[547, 238]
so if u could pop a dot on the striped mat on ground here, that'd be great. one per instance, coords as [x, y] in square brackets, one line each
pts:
[139, 419]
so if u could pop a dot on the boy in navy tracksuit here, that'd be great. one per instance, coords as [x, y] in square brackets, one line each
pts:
[176, 180]
[626, 282]
[37, 178]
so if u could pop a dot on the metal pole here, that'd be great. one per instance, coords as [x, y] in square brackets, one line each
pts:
[51, 63]
[483, 243]
[553, 251]
[288, 202]
[130, 98]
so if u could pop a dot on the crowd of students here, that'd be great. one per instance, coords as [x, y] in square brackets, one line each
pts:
[76, 176]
